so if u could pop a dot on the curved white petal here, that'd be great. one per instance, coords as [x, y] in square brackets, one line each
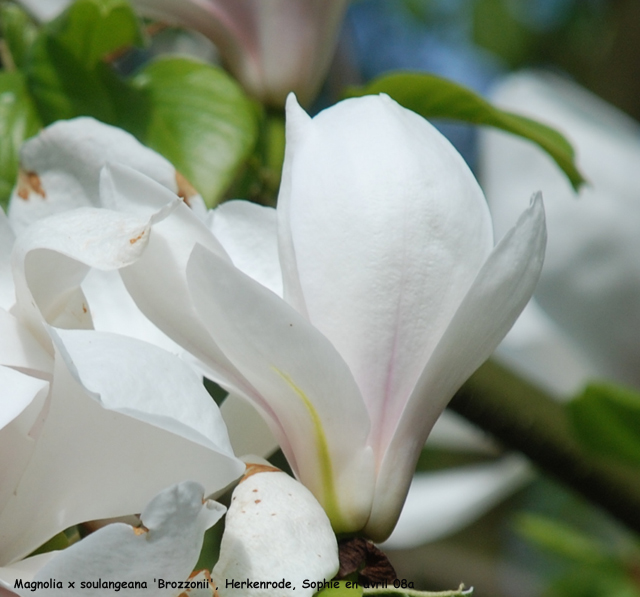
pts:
[442, 503]
[52, 257]
[113, 310]
[389, 229]
[167, 548]
[91, 444]
[322, 422]
[60, 168]
[248, 233]
[156, 279]
[274, 530]
[590, 283]
[501, 290]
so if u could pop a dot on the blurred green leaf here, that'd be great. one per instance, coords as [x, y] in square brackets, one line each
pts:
[66, 72]
[200, 120]
[18, 121]
[18, 33]
[606, 419]
[562, 539]
[435, 97]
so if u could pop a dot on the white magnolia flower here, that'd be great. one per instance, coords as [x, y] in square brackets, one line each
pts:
[154, 559]
[586, 318]
[393, 297]
[95, 423]
[273, 47]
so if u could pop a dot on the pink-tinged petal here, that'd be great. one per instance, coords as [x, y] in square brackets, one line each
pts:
[248, 431]
[271, 46]
[7, 238]
[52, 257]
[248, 233]
[497, 296]
[22, 399]
[274, 530]
[442, 503]
[134, 426]
[60, 168]
[389, 229]
[322, 423]
[20, 350]
[166, 547]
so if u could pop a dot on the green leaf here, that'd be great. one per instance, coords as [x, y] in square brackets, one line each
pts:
[435, 97]
[562, 539]
[200, 120]
[18, 121]
[18, 32]
[67, 75]
[606, 419]
[93, 29]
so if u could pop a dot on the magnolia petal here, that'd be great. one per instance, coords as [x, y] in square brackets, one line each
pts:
[389, 229]
[275, 530]
[122, 374]
[501, 290]
[323, 424]
[7, 238]
[248, 431]
[52, 257]
[22, 399]
[156, 280]
[166, 547]
[20, 350]
[442, 503]
[113, 310]
[60, 168]
[80, 461]
[249, 234]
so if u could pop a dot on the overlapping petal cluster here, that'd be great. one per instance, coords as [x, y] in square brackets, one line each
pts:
[351, 314]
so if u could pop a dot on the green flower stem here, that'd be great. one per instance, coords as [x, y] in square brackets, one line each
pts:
[523, 418]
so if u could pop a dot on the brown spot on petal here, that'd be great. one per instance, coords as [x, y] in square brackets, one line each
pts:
[29, 182]
[84, 308]
[254, 469]
[257, 501]
[133, 241]
[185, 189]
